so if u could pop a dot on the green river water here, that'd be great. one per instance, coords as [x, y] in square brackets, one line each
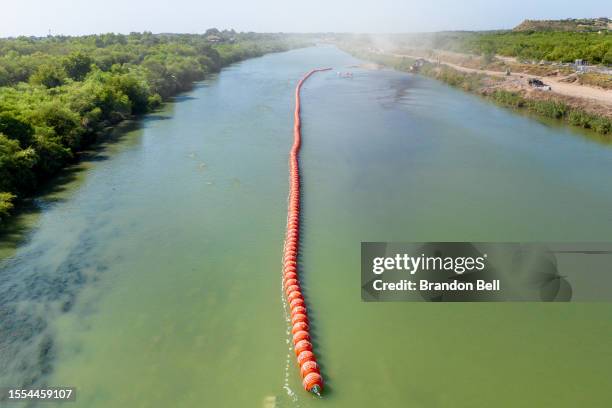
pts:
[149, 276]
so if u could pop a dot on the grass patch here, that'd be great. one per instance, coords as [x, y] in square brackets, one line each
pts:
[555, 110]
[596, 79]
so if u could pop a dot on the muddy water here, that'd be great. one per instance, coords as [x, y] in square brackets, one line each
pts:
[151, 276]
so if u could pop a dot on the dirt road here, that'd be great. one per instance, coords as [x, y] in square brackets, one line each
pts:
[563, 88]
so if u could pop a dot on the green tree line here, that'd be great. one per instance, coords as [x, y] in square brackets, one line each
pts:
[554, 46]
[558, 46]
[57, 94]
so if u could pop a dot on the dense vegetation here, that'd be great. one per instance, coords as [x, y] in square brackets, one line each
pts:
[57, 94]
[554, 46]
[569, 24]
[595, 48]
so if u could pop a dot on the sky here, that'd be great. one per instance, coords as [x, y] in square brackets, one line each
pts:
[73, 17]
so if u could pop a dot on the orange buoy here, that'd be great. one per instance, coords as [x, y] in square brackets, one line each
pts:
[305, 356]
[297, 310]
[302, 345]
[313, 382]
[309, 369]
[296, 302]
[299, 327]
[294, 295]
[300, 317]
[301, 335]
[289, 275]
[290, 281]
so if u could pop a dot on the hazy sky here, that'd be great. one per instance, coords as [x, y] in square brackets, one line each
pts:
[37, 17]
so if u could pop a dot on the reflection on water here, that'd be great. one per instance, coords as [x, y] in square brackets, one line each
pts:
[151, 276]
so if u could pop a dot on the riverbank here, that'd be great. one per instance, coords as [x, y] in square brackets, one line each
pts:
[581, 106]
[60, 95]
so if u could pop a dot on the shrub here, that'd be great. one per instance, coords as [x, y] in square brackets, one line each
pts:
[16, 129]
[49, 75]
[77, 65]
[6, 204]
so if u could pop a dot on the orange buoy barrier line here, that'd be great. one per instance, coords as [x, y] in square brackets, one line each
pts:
[309, 369]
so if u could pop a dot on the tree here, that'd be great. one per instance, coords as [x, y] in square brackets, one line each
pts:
[52, 156]
[77, 65]
[16, 129]
[136, 89]
[5, 78]
[6, 204]
[607, 58]
[65, 123]
[16, 166]
[49, 75]
[488, 51]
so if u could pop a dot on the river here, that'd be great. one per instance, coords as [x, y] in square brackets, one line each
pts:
[149, 275]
